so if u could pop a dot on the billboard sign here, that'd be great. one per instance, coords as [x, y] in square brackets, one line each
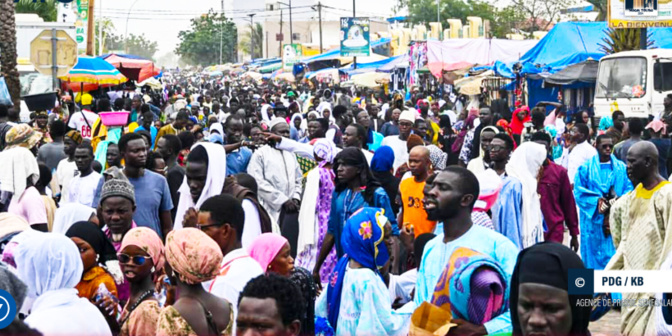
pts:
[355, 36]
[291, 54]
[640, 13]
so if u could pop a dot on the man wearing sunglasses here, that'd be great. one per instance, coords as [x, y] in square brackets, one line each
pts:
[222, 218]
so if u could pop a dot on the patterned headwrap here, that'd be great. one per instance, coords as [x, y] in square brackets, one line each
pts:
[325, 149]
[437, 157]
[147, 240]
[22, 135]
[75, 136]
[362, 237]
[193, 255]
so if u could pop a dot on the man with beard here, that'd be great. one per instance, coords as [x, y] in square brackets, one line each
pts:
[277, 173]
[169, 146]
[450, 199]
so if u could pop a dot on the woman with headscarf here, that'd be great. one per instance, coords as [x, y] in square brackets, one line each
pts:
[381, 168]
[315, 209]
[141, 257]
[272, 252]
[355, 188]
[357, 301]
[296, 130]
[520, 116]
[95, 251]
[462, 139]
[57, 310]
[10, 226]
[20, 174]
[194, 258]
[540, 280]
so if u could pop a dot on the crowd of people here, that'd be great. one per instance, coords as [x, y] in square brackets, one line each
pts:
[229, 207]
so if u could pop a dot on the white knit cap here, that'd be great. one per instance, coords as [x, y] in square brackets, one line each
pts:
[408, 116]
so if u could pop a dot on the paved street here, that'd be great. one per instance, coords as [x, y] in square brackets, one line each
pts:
[609, 324]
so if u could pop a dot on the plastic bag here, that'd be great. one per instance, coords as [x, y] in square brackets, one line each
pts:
[430, 320]
[5, 98]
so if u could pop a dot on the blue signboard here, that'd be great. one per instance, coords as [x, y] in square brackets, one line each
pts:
[355, 36]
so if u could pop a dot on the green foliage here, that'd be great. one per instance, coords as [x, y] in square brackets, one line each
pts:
[244, 43]
[501, 21]
[601, 6]
[200, 45]
[137, 45]
[618, 40]
[46, 9]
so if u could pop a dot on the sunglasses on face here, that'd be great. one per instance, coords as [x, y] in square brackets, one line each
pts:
[137, 260]
[496, 148]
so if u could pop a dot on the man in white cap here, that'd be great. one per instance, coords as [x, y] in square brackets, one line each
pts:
[277, 173]
[398, 142]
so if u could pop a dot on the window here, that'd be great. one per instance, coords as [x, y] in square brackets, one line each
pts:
[662, 76]
[623, 77]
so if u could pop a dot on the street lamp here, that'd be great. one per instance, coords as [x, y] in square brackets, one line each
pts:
[251, 36]
[126, 34]
[291, 33]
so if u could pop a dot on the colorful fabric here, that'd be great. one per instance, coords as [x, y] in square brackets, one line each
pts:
[472, 286]
[88, 287]
[595, 180]
[305, 164]
[171, 323]
[147, 240]
[325, 150]
[265, 248]
[638, 226]
[193, 255]
[142, 321]
[517, 125]
[22, 135]
[364, 233]
[437, 157]
[412, 198]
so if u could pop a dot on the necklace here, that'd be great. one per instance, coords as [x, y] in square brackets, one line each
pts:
[137, 302]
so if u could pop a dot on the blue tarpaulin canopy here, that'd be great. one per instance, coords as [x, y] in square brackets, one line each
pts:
[570, 43]
[366, 67]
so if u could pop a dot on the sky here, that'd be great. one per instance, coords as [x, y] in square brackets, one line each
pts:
[162, 20]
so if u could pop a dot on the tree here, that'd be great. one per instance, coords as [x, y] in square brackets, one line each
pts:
[618, 40]
[8, 47]
[244, 44]
[601, 6]
[134, 44]
[46, 9]
[200, 45]
[540, 14]
[108, 30]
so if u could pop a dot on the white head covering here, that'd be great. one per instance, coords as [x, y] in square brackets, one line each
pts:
[217, 127]
[298, 115]
[214, 181]
[524, 165]
[275, 122]
[264, 112]
[47, 262]
[18, 164]
[70, 213]
[324, 105]
[325, 149]
[407, 115]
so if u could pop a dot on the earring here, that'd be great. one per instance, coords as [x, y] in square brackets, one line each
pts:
[153, 269]
[97, 257]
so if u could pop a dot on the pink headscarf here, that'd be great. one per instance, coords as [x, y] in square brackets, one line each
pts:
[266, 247]
[193, 255]
[147, 240]
[657, 126]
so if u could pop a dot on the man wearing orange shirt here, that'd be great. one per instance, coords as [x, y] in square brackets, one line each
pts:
[411, 193]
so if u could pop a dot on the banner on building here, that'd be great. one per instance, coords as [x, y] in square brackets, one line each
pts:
[355, 36]
[291, 54]
[640, 13]
[81, 25]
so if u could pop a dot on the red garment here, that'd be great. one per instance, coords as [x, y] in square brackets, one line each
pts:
[516, 124]
[557, 202]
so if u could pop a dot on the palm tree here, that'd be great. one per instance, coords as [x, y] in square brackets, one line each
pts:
[46, 9]
[244, 43]
[626, 39]
[8, 47]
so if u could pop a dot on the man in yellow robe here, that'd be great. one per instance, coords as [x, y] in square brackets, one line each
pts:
[639, 224]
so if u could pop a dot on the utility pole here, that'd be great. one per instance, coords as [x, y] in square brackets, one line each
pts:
[100, 27]
[251, 35]
[319, 11]
[90, 34]
[282, 36]
[221, 35]
[291, 32]
[438, 11]
[354, 15]
[266, 43]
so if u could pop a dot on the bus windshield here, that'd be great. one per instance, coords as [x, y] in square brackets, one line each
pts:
[623, 77]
